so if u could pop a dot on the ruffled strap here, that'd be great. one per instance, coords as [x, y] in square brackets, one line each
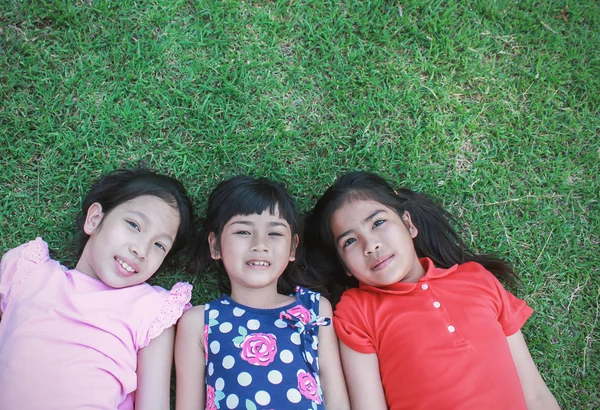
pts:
[35, 253]
[303, 317]
[174, 305]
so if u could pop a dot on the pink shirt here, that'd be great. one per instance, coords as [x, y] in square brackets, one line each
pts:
[68, 341]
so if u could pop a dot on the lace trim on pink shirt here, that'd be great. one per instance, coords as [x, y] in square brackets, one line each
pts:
[35, 253]
[171, 310]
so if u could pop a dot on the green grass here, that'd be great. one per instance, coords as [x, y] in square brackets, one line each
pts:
[492, 107]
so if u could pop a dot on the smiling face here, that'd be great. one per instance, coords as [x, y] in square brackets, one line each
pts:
[128, 245]
[255, 249]
[375, 244]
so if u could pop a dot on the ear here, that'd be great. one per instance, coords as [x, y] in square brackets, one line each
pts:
[93, 218]
[295, 241]
[412, 229]
[213, 242]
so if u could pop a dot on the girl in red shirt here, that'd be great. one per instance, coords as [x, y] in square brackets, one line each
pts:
[424, 322]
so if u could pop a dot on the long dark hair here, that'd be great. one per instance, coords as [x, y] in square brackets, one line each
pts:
[123, 185]
[244, 195]
[436, 240]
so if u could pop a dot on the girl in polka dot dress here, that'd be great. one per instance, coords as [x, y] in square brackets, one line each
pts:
[264, 344]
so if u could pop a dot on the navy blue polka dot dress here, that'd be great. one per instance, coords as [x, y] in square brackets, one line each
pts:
[263, 358]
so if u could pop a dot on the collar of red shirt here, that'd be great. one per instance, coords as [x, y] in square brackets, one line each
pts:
[431, 272]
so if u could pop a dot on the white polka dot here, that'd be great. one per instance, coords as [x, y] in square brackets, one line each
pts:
[225, 302]
[295, 338]
[232, 401]
[253, 324]
[211, 368]
[213, 314]
[294, 396]
[244, 379]
[262, 397]
[206, 306]
[309, 357]
[238, 312]
[215, 346]
[225, 327]
[280, 324]
[228, 362]
[275, 377]
[219, 384]
[286, 356]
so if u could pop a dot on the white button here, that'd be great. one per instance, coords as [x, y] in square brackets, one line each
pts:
[424, 286]
[451, 329]
[436, 304]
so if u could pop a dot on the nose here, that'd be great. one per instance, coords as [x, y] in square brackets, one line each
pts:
[139, 250]
[371, 246]
[259, 244]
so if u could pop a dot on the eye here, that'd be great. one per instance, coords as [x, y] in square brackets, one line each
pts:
[275, 234]
[378, 222]
[161, 246]
[133, 225]
[348, 242]
[241, 233]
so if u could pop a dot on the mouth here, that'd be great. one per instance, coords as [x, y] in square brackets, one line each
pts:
[382, 262]
[128, 268]
[258, 264]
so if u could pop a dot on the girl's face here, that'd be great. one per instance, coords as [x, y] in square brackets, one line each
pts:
[128, 245]
[255, 249]
[375, 244]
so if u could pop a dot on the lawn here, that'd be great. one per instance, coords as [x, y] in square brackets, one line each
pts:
[492, 107]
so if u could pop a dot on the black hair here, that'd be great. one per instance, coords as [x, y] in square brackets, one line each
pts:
[245, 195]
[124, 185]
[436, 240]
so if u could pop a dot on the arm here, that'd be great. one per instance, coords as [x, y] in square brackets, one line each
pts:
[537, 395]
[363, 379]
[190, 361]
[154, 372]
[330, 366]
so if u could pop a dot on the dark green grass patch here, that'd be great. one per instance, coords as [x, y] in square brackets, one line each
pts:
[492, 107]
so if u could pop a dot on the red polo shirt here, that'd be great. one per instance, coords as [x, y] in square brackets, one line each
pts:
[441, 342]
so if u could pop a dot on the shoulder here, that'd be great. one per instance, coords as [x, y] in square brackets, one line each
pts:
[35, 252]
[162, 307]
[325, 308]
[192, 319]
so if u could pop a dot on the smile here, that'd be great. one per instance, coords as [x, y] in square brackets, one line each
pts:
[258, 263]
[383, 262]
[125, 266]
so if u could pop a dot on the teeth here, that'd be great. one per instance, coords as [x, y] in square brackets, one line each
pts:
[259, 263]
[125, 266]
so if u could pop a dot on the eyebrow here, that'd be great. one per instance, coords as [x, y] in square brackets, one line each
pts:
[367, 219]
[249, 223]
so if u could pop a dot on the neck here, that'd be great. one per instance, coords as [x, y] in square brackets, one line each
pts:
[260, 298]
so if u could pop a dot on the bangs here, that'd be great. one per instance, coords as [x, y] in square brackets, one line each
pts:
[257, 202]
[248, 196]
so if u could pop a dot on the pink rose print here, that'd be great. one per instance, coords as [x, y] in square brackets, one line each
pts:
[210, 398]
[259, 349]
[301, 313]
[206, 343]
[308, 386]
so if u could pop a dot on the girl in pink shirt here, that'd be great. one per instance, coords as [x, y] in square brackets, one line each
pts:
[98, 336]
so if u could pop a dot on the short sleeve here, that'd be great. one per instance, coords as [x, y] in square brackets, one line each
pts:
[15, 266]
[173, 304]
[512, 311]
[351, 325]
